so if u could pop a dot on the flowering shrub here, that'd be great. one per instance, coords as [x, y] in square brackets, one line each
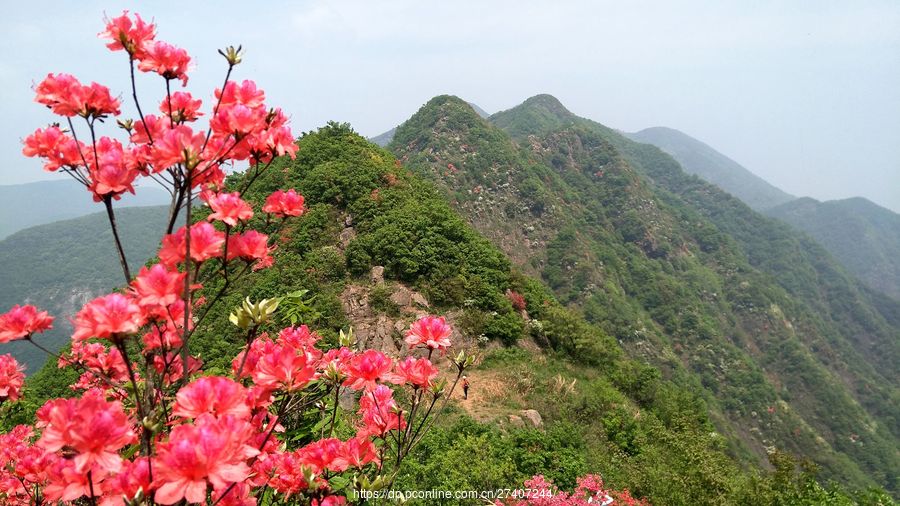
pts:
[146, 425]
[590, 491]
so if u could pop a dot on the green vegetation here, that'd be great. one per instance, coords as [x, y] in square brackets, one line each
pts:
[777, 340]
[863, 236]
[644, 427]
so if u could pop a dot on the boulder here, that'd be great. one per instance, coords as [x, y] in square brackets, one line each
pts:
[516, 421]
[419, 299]
[532, 416]
[377, 275]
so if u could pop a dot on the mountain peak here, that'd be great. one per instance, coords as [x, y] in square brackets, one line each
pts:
[549, 103]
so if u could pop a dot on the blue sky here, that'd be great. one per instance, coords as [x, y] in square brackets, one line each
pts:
[805, 94]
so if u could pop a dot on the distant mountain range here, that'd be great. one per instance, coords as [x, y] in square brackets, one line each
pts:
[30, 204]
[60, 266]
[700, 159]
[862, 235]
[786, 349]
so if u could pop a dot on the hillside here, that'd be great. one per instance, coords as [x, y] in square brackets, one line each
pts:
[862, 235]
[30, 204]
[787, 350]
[552, 394]
[61, 265]
[698, 158]
[385, 138]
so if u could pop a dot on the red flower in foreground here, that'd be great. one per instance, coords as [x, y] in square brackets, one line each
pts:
[211, 451]
[91, 426]
[157, 286]
[110, 316]
[228, 208]
[181, 106]
[284, 203]
[379, 412]
[55, 147]
[367, 369]
[206, 243]
[166, 60]
[22, 321]
[11, 378]
[431, 332]
[66, 96]
[133, 477]
[214, 395]
[132, 36]
[418, 372]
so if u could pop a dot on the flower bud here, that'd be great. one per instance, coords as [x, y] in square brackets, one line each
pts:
[250, 314]
[231, 54]
[346, 339]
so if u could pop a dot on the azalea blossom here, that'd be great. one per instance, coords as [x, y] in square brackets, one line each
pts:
[210, 451]
[228, 208]
[23, 321]
[213, 395]
[132, 478]
[379, 412]
[132, 36]
[367, 369]
[431, 332]
[166, 60]
[181, 106]
[91, 426]
[206, 243]
[417, 372]
[157, 286]
[284, 203]
[55, 147]
[12, 378]
[66, 96]
[282, 367]
[108, 317]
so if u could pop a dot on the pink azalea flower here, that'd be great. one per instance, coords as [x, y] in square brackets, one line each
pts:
[210, 451]
[284, 203]
[228, 208]
[157, 286]
[166, 60]
[379, 412]
[114, 175]
[133, 477]
[213, 395]
[55, 147]
[206, 243]
[368, 368]
[132, 36]
[11, 378]
[183, 107]
[283, 367]
[418, 372]
[431, 332]
[245, 94]
[91, 426]
[109, 317]
[22, 321]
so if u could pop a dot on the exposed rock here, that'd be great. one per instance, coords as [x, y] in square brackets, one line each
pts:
[402, 296]
[377, 275]
[346, 236]
[419, 299]
[516, 421]
[347, 399]
[533, 416]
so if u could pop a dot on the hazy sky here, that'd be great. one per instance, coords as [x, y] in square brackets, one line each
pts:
[805, 94]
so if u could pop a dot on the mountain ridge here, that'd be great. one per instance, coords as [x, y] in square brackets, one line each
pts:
[619, 196]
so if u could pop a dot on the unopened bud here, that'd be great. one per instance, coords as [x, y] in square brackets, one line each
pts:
[126, 124]
[231, 54]
[346, 339]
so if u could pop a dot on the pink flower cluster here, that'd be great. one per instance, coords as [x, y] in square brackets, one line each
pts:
[590, 491]
[147, 425]
[241, 126]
